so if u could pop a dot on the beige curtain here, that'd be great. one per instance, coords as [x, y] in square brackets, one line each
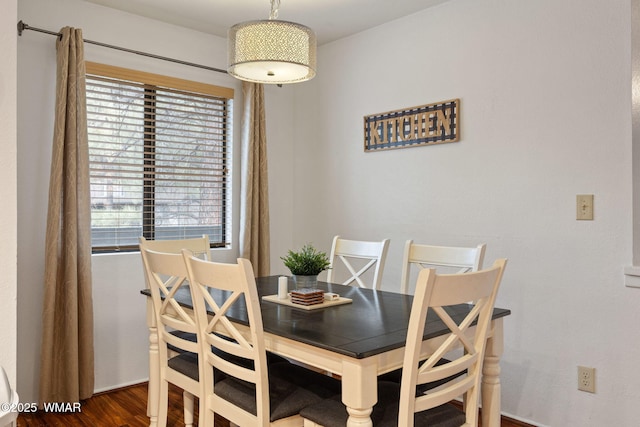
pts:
[254, 199]
[66, 360]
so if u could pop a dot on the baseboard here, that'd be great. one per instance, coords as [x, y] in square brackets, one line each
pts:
[516, 422]
[122, 386]
[511, 421]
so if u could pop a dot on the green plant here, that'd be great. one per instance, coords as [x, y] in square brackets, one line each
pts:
[307, 261]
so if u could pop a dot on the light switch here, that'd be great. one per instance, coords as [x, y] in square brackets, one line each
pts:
[584, 207]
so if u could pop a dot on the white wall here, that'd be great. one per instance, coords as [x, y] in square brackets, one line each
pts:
[121, 337]
[546, 114]
[8, 191]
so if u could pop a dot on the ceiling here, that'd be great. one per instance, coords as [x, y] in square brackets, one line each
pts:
[330, 19]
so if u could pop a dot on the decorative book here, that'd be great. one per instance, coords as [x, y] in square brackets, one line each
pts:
[307, 296]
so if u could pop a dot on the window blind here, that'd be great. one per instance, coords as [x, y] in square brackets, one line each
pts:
[158, 163]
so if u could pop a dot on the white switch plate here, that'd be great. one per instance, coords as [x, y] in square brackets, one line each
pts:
[584, 207]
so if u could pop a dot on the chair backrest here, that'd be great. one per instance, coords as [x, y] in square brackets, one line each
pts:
[199, 246]
[435, 293]
[8, 411]
[166, 275]
[461, 259]
[238, 283]
[358, 257]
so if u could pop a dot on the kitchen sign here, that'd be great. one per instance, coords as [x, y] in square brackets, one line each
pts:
[413, 127]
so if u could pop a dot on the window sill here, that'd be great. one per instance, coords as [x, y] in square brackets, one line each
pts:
[632, 276]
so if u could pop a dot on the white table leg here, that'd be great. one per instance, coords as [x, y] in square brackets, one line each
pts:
[491, 376]
[359, 391]
[153, 393]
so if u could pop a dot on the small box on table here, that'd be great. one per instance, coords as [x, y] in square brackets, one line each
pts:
[307, 296]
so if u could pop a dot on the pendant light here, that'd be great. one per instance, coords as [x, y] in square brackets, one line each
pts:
[272, 51]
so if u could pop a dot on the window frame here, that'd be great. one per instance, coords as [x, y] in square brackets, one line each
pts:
[172, 83]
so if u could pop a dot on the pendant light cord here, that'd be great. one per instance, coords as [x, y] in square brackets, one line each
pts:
[275, 5]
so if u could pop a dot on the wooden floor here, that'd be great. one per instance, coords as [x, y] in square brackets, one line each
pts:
[124, 407]
[127, 407]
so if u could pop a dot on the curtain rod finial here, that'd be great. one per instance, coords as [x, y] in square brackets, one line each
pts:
[21, 27]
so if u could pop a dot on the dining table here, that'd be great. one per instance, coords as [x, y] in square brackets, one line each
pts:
[357, 340]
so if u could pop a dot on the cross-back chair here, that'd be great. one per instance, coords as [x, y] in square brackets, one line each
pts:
[443, 298]
[166, 274]
[246, 394]
[186, 363]
[358, 257]
[199, 246]
[445, 259]
[460, 259]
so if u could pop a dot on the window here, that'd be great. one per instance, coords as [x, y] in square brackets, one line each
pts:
[158, 154]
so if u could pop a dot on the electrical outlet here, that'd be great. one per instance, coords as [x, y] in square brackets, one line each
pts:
[587, 379]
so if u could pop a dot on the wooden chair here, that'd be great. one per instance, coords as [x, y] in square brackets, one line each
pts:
[246, 394]
[166, 274]
[352, 253]
[446, 259]
[10, 400]
[461, 259]
[401, 404]
[199, 246]
[187, 362]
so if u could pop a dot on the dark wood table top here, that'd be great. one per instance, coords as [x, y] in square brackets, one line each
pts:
[375, 322]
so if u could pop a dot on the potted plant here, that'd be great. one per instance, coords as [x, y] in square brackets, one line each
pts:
[305, 265]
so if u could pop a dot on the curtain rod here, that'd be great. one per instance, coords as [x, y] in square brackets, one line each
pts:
[22, 26]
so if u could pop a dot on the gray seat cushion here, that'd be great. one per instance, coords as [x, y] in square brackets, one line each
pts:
[332, 413]
[187, 364]
[291, 388]
[319, 384]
